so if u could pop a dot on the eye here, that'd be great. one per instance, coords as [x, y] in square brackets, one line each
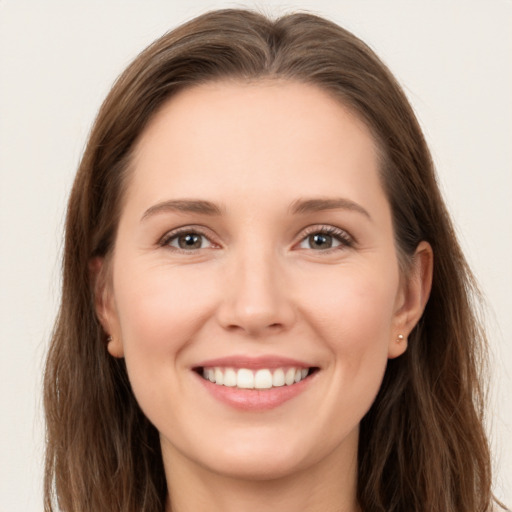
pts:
[321, 239]
[187, 241]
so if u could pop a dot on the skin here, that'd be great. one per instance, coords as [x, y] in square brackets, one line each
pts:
[258, 286]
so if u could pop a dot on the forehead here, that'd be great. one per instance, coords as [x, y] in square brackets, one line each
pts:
[241, 110]
[254, 137]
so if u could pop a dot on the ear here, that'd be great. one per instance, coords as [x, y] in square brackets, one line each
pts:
[104, 305]
[412, 298]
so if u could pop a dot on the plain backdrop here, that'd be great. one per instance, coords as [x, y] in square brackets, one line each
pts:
[58, 60]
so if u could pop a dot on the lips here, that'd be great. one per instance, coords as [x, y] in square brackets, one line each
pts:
[255, 383]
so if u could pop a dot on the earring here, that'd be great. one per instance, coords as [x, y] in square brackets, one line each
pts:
[400, 338]
[109, 338]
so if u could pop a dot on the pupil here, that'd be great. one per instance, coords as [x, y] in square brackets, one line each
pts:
[321, 241]
[190, 241]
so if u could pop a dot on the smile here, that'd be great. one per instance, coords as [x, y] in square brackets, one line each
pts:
[255, 383]
[263, 378]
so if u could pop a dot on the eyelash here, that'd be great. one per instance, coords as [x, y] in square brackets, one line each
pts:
[187, 230]
[346, 241]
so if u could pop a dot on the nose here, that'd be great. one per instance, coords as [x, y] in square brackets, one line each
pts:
[256, 297]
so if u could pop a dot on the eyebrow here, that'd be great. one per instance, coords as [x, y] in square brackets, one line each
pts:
[298, 207]
[304, 206]
[183, 205]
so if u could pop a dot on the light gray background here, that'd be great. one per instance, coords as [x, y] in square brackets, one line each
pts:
[57, 62]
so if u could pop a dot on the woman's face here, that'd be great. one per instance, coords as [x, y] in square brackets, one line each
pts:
[255, 249]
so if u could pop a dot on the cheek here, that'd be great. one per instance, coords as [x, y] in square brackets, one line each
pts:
[160, 310]
[352, 311]
[353, 305]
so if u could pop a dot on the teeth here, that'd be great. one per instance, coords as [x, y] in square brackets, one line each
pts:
[278, 378]
[230, 377]
[263, 379]
[289, 378]
[244, 378]
[219, 376]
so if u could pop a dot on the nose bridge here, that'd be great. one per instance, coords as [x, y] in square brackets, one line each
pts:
[255, 297]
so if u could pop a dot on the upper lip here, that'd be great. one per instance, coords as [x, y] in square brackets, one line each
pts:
[260, 362]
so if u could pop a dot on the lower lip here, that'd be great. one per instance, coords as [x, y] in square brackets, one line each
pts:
[256, 399]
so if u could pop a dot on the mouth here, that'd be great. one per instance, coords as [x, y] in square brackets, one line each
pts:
[255, 379]
[255, 383]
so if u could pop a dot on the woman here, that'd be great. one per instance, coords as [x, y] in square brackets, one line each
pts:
[264, 303]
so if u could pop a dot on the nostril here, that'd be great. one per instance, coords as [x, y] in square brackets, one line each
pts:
[255, 328]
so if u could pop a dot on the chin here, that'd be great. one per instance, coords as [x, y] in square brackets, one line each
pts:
[266, 453]
[274, 465]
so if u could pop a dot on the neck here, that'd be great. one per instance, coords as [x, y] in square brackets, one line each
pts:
[329, 485]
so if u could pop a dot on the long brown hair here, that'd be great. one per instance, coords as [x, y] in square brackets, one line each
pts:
[422, 444]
